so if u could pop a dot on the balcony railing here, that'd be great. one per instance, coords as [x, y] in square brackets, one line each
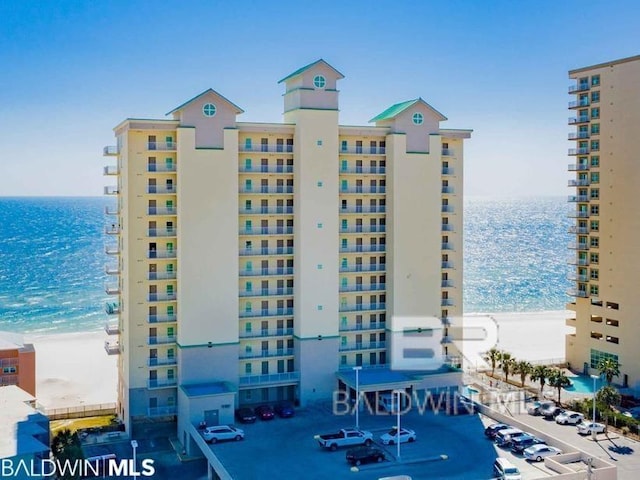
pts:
[165, 383]
[112, 269]
[447, 190]
[446, 302]
[579, 151]
[579, 246]
[112, 288]
[161, 340]
[378, 267]
[446, 284]
[447, 209]
[363, 229]
[171, 189]
[266, 148]
[362, 150]
[578, 278]
[266, 231]
[266, 271]
[8, 380]
[364, 209]
[446, 265]
[165, 146]
[447, 246]
[258, 189]
[579, 87]
[112, 347]
[111, 210]
[162, 297]
[447, 227]
[578, 198]
[578, 119]
[580, 230]
[162, 232]
[578, 214]
[578, 167]
[359, 327]
[363, 189]
[447, 171]
[162, 318]
[368, 287]
[111, 328]
[9, 362]
[269, 312]
[162, 210]
[266, 168]
[347, 347]
[280, 352]
[161, 411]
[360, 307]
[287, 377]
[350, 248]
[112, 308]
[111, 170]
[157, 362]
[583, 102]
[582, 262]
[161, 253]
[448, 152]
[266, 292]
[111, 190]
[112, 249]
[574, 292]
[112, 230]
[161, 167]
[248, 252]
[162, 275]
[583, 182]
[266, 210]
[363, 170]
[578, 135]
[110, 150]
[273, 332]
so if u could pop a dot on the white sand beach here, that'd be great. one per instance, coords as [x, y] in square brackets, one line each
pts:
[73, 369]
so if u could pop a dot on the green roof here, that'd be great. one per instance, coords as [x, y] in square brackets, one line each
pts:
[209, 90]
[395, 110]
[307, 67]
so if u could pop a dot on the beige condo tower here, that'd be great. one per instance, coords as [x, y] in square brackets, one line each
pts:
[605, 262]
[257, 262]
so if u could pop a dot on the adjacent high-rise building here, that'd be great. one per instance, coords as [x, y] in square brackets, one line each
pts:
[605, 262]
[255, 262]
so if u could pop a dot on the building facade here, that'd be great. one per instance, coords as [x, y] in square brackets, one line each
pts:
[17, 362]
[255, 261]
[605, 262]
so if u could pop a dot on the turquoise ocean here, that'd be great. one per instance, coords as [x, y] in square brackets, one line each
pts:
[52, 259]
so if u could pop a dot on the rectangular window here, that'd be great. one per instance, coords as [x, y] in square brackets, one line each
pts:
[594, 290]
[595, 113]
[343, 146]
[595, 193]
[595, 129]
[594, 242]
[595, 225]
[594, 258]
[594, 274]
[595, 97]
[595, 177]
[595, 161]
[595, 145]
[597, 356]
[595, 80]
[595, 210]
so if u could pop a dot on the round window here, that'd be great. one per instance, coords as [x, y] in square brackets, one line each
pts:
[418, 118]
[208, 109]
[319, 81]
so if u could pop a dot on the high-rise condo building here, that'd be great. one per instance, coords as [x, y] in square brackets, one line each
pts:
[605, 260]
[255, 262]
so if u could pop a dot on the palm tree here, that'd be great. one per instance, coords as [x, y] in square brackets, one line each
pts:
[523, 368]
[609, 397]
[559, 380]
[66, 446]
[609, 368]
[493, 357]
[540, 373]
[506, 364]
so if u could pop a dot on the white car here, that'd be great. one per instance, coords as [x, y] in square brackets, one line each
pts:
[535, 407]
[391, 437]
[222, 432]
[537, 452]
[586, 428]
[570, 418]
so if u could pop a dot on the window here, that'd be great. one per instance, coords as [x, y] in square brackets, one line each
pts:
[594, 258]
[209, 109]
[594, 274]
[595, 225]
[595, 97]
[595, 193]
[595, 177]
[595, 210]
[247, 368]
[319, 81]
[597, 356]
[595, 80]
[595, 242]
[595, 161]
[343, 146]
[418, 118]
[595, 145]
[320, 184]
[595, 112]
[595, 129]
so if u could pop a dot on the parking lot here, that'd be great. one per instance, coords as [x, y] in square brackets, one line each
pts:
[451, 447]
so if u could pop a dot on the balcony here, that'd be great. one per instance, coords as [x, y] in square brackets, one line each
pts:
[112, 249]
[112, 269]
[578, 151]
[112, 347]
[578, 214]
[258, 272]
[348, 347]
[578, 198]
[110, 150]
[278, 210]
[446, 284]
[161, 411]
[112, 308]
[578, 135]
[110, 210]
[162, 189]
[447, 171]
[162, 210]
[161, 362]
[162, 146]
[447, 190]
[161, 340]
[280, 352]
[111, 190]
[111, 328]
[448, 152]
[447, 246]
[350, 248]
[582, 182]
[579, 119]
[364, 229]
[112, 230]
[446, 265]
[161, 167]
[267, 292]
[578, 230]
[578, 278]
[162, 275]
[362, 150]
[259, 189]
[252, 252]
[162, 318]
[578, 167]
[273, 378]
[111, 170]
[583, 246]
[362, 307]
[162, 232]
[162, 297]
[447, 209]
[582, 262]
[446, 302]
[360, 327]
[582, 102]
[265, 148]
[363, 189]
[267, 231]
[446, 227]
[164, 383]
[364, 209]
[269, 312]
[364, 170]
[363, 268]
[371, 287]
[574, 292]
[263, 333]
[579, 87]
[265, 168]
[112, 288]
[161, 253]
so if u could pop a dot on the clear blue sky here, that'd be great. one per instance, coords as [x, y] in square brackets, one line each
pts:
[72, 70]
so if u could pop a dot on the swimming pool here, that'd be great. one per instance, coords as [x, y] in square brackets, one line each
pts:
[583, 384]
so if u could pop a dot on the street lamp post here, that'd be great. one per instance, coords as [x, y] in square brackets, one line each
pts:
[397, 392]
[357, 404]
[593, 429]
[134, 445]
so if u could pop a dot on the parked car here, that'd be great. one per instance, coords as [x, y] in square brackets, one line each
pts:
[505, 470]
[391, 437]
[265, 412]
[551, 413]
[535, 407]
[461, 405]
[246, 415]
[587, 428]
[494, 428]
[537, 452]
[547, 409]
[525, 441]
[222, 432]
[505, 437]
[360, 455]
[285, 410]
[569, 418]
[346, 437]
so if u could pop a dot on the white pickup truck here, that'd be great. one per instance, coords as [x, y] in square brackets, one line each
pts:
[346, 437]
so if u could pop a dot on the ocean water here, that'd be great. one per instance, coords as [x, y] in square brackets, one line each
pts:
[52, 259]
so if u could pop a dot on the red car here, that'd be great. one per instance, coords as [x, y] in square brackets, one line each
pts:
[265, 412]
